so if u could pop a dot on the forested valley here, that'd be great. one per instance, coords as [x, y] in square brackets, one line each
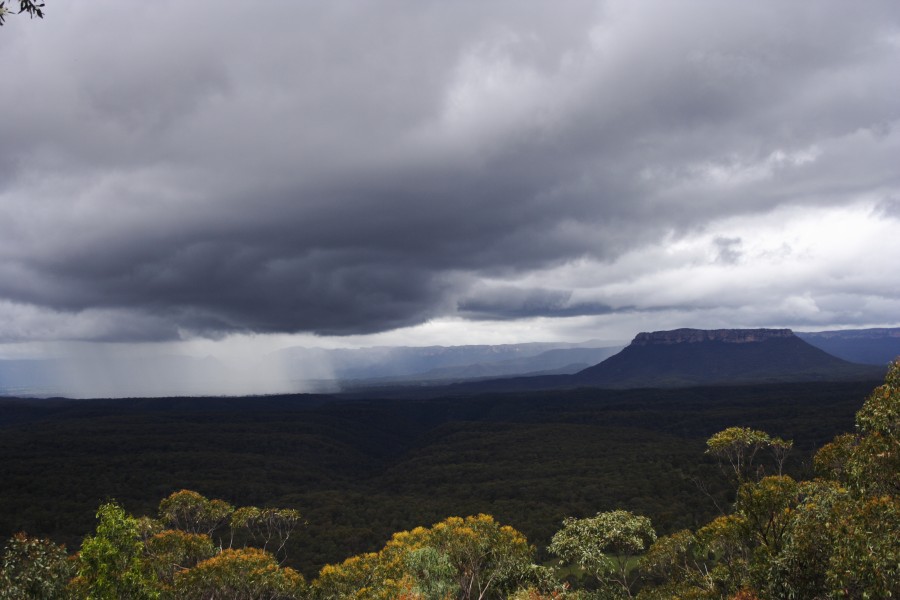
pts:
[765, 491]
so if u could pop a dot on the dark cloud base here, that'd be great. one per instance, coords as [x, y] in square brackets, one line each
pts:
[359, 169]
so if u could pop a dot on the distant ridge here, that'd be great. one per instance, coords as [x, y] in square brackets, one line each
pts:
[385, 364]
[683, 357]
[877, 346]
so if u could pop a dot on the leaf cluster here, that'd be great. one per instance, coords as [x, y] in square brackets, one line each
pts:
[468, 558]
[31, 7]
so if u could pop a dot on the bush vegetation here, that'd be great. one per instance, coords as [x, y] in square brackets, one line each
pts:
[835, 535]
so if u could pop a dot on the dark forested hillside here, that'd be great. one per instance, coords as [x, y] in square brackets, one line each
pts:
[362, 469]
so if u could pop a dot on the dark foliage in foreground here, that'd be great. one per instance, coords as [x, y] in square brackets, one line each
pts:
[362, 469]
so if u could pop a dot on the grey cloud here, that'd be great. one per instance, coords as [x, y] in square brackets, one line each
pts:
[357, 167]
[508, 302]
[889, 207]
[728, 249]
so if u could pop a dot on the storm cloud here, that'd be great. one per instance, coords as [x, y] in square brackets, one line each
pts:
[171, 170]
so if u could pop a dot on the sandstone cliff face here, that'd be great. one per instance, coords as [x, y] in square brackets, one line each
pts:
[731, 336]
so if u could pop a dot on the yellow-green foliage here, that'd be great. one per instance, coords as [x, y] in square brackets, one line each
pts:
[836, 537]
[111, 564]
[189, 511]
[34, 568]
[172, 551]
[471, 557]
[738, 446]
[361, 576]
[248, 574]
[602, 545]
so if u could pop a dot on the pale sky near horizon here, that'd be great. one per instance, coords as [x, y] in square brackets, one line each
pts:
[232, 178]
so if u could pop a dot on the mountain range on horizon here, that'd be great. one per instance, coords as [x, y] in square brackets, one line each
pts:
[874, 346]
[398, 364]
[644, 362]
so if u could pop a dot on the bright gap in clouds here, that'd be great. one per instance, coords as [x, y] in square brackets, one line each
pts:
[796, 267]
[793, 267]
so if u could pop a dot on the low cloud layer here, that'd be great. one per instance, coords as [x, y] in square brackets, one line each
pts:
[171, 170]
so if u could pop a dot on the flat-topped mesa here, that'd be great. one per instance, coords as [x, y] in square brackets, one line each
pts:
[731, 336]
[689, 357]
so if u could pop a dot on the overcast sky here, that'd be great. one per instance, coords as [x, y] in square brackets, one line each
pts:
[243, 176]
